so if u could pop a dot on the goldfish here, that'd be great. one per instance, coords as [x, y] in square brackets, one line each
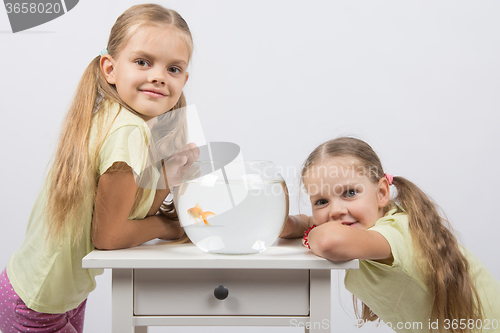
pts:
[198, 214]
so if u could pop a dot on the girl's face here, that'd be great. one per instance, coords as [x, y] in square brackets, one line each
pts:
[341, 193]
[150, 71]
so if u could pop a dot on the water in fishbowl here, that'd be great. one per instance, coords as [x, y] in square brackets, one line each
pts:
[233, 215]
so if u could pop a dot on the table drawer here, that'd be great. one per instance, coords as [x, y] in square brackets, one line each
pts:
[268, 292]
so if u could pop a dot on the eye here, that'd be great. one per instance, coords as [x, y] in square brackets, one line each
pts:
[141, 62]
[175, 70]
[350, 193]
[320, 202]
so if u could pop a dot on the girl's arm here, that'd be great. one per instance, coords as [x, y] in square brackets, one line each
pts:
[339, 242]
[296, 225]
[111, 228]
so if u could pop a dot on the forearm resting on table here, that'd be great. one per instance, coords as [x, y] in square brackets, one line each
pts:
[111, 228]
[339, 242]
[131, 233]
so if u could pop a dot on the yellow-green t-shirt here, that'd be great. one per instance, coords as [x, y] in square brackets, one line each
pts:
[398, 294]
[51, 279]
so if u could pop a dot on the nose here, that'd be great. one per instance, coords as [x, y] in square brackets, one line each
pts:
[157, 77]
[337, 210]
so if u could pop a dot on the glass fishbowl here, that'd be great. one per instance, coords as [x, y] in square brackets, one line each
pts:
[232, 207]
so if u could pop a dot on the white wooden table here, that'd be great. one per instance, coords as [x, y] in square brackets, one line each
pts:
[157, 284]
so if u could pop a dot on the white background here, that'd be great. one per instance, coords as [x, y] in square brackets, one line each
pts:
[418, 80]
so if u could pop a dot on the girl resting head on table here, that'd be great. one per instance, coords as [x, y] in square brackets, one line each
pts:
[412, 269]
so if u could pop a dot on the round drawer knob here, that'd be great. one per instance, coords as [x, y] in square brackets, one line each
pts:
[221, 292]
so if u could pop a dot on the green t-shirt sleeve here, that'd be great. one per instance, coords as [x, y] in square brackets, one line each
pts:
[396, 234]
[126, 144]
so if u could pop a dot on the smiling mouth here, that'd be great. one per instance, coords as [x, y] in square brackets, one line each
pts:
[349, 223]
[153, 94]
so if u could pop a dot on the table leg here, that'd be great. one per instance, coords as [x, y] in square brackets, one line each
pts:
[122, 303]
[320, 302]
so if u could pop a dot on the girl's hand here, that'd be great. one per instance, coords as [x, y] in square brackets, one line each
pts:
[175, 167]
[296, 225]
[173, 229]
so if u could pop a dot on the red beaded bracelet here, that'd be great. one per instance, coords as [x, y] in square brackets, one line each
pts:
[306, 233]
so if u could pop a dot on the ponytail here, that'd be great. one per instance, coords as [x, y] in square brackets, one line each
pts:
[445, 267]
[71, 176]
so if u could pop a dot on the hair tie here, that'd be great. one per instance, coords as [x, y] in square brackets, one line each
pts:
[306, 234]
[389, 178]
[103, 52]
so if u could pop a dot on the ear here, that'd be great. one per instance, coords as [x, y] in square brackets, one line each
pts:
[187, 77]
[107, 66]
[384, 193]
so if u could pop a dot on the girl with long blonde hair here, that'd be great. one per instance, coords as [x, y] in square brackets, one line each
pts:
[413, 274]
[121, 150]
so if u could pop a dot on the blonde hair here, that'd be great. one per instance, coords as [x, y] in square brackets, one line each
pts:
[445, 268]
[73, 173]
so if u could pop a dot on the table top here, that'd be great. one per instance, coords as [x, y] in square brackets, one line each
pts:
[283, 254]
